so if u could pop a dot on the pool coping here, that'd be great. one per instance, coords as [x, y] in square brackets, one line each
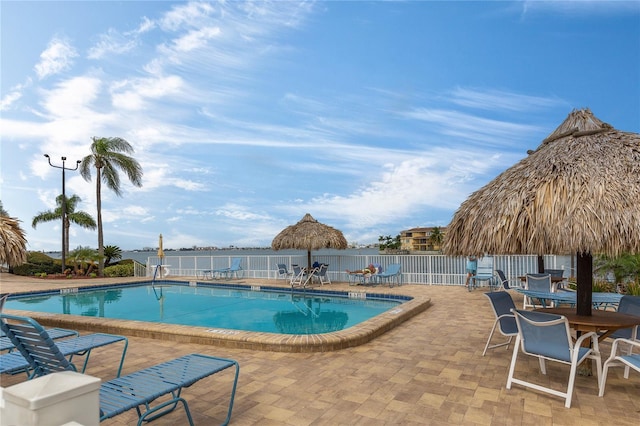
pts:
[356, 335]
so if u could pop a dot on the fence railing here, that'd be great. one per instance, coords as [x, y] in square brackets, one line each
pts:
[416, 268]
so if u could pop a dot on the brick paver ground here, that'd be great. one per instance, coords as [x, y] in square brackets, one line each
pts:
[429, 370]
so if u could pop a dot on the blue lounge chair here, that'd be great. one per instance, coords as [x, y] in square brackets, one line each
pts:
[29, 333]
[234, 270]
[136, 390]
[54, 333]
[390, 274]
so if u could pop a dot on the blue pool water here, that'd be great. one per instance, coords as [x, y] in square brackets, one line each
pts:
[236, 307]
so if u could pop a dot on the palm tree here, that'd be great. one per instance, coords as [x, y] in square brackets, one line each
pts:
[107, 156]
[13, 243]
[82, 219]
[436, 237]
[111, 253]
[84, 260]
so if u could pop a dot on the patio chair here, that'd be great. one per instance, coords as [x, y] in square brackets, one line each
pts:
[283, 272]
[301, 277]
[629, 305]
[27, 335]
[548, 337]
[391, 273]
[233, 270]
[321, 274]
[136, 390]
[484, 272]
[502, 304]
[630, 360]
[536, 282]
[504, 281]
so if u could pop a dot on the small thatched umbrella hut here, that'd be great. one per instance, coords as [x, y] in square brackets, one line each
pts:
[578, 192]
[309, 234]
[13, 243]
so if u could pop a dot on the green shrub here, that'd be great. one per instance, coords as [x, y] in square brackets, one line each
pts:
[120, 270]
[633, 288]
[601, 286]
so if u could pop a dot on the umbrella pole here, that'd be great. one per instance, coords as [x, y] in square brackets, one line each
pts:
[540, 264]
[584, 283]
[309, 259]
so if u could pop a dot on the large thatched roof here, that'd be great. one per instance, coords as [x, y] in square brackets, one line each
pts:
[309, 234]
[13, 243]
[578, 192]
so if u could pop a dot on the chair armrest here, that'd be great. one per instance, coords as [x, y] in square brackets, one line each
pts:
[590, 335]
[614, 346]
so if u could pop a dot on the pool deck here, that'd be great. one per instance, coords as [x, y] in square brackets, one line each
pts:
[427, 370]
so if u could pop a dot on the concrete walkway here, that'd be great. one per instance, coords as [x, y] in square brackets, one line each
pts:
[428, 370]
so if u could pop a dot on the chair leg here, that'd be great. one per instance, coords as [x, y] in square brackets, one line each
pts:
[514, 357]
[603, 378]
[497, 345]
[543, 367]
[572, 379]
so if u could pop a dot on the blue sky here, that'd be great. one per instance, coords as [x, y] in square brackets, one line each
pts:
[374, 117]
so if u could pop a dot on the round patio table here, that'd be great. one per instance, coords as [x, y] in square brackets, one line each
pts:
[605, 322]
[602, 322]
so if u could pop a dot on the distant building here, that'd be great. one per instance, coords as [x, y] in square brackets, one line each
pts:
[419, 239]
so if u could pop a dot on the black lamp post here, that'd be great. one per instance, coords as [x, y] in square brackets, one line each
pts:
[64, 207]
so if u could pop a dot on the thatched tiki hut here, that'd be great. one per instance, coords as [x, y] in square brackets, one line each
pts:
[13, 243]
[309, 234]
[578, 192]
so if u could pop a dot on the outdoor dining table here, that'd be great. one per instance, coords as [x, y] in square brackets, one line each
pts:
[554, 281]
[599, 300]
[600, 321]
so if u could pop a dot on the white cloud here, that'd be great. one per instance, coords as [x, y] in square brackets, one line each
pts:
[238, 212]
[9, 99]
[195, 39]
[132, 94]
[57, 57]
[493, 100]
[145, 26]
[112, 42]
[190, 14]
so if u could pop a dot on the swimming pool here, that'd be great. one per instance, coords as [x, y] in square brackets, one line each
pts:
[413, 303]
[232, 307]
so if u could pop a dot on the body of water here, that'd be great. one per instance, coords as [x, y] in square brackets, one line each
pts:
[142, 255]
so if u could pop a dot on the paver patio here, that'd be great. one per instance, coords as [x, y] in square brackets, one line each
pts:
[428, 370]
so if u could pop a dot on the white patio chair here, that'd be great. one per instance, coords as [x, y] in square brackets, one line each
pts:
[630, 360]
[548, 337]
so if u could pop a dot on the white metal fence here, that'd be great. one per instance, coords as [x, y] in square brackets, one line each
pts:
[416, 268]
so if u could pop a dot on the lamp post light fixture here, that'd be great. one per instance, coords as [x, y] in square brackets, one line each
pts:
[64, 207]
